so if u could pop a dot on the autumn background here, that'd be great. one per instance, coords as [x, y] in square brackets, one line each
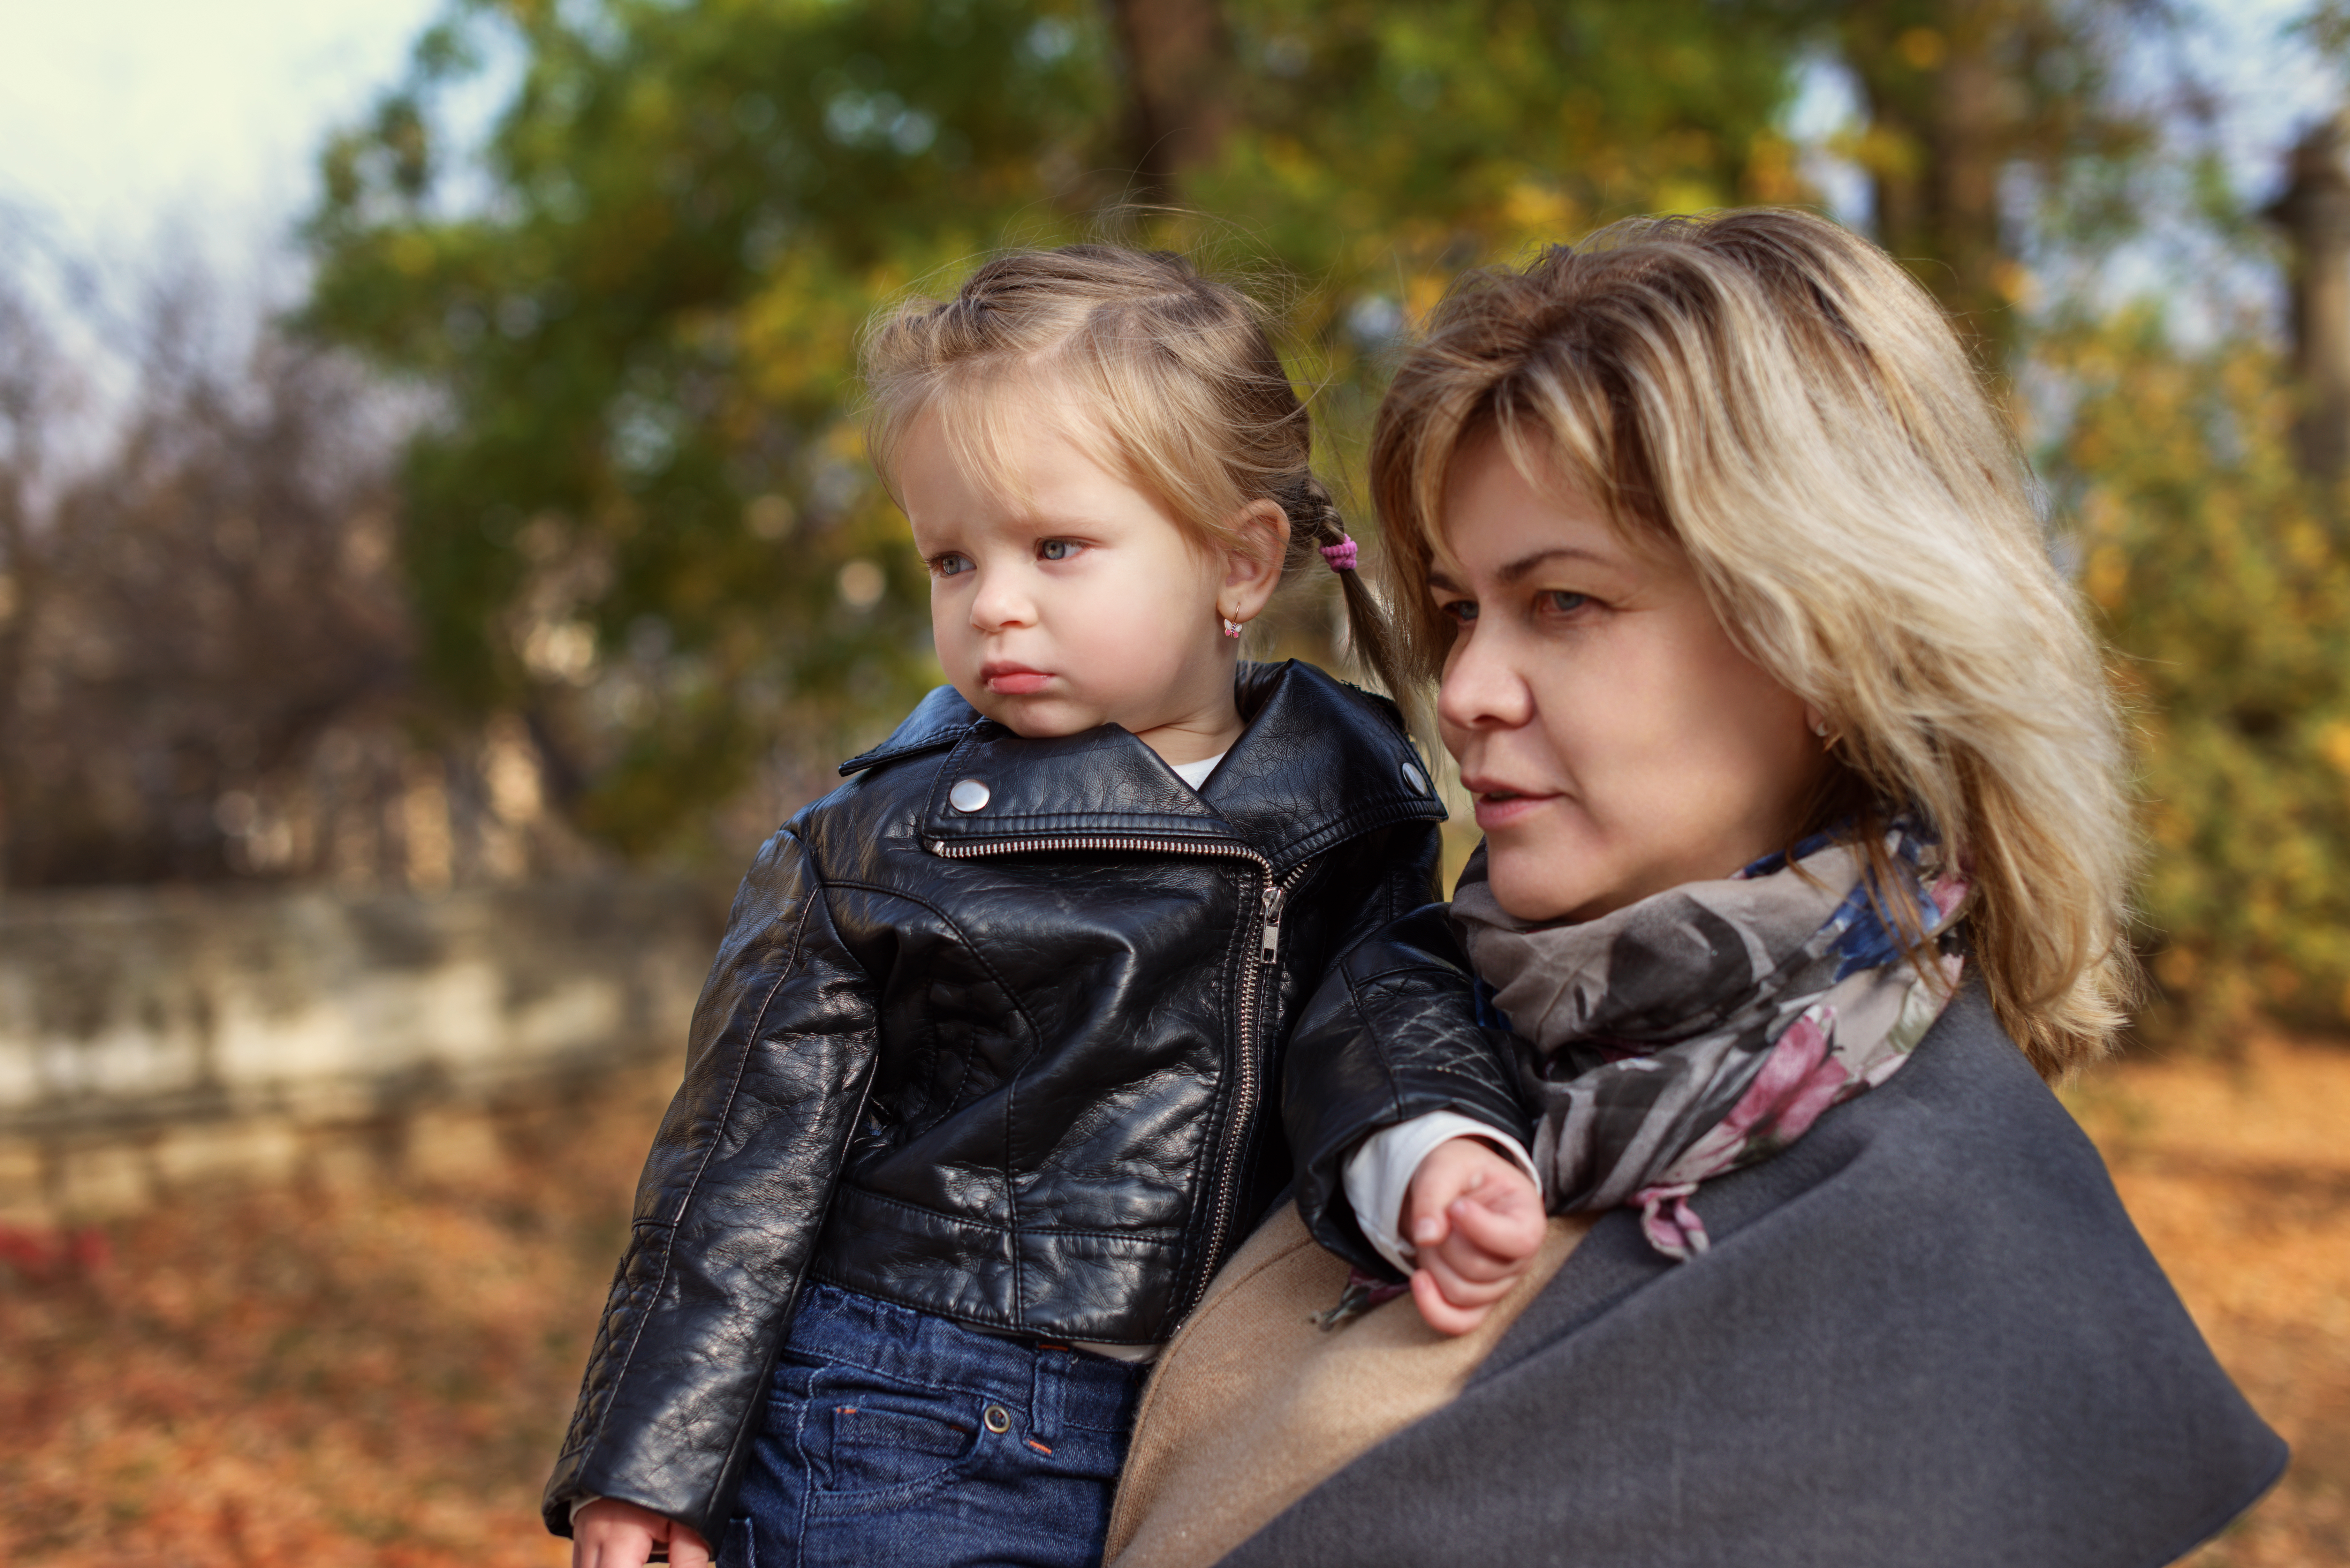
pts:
[516, 536]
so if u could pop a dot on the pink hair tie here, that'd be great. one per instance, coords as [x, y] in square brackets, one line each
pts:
[1341, 556]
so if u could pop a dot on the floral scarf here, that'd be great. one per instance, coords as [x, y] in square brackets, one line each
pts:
[1707, 1027]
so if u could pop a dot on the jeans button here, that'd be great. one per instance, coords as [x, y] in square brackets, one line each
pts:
[997, 1417]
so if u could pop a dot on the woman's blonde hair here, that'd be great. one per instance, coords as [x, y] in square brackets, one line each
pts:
[1776, 397]
[1187, 392]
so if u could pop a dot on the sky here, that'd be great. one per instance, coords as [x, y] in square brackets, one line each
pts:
[124, 121]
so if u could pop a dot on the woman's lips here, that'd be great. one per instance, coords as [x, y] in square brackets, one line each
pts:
[1499, 805]
[1012, 680]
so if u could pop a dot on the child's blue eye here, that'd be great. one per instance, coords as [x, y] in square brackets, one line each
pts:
[1056, 549]
[949, 565]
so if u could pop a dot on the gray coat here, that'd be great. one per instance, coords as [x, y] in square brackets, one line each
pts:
[1927, 1334]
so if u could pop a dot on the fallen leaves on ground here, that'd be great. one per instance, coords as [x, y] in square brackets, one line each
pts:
[375, 1371]
[2237, 1174]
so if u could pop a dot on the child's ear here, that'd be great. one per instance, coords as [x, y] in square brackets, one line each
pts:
[1252, 560]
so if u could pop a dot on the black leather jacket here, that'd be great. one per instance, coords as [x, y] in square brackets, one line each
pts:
[1392, 1034]
[993, 1033]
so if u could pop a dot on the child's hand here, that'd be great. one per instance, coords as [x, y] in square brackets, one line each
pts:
[1474, 1220]
[610, 1533]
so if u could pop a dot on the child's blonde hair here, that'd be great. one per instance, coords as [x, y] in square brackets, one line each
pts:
[1188, 394]
[1776, 397]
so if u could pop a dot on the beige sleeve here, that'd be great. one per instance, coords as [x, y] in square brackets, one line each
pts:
[1254, 1404]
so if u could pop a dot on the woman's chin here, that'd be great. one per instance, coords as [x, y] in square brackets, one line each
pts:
[1528, 886]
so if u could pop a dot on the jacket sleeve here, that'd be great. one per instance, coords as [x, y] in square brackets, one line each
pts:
[727, 1212]
[1391, 1034]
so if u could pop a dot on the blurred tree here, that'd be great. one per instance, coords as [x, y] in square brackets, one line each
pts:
[2315, 212]
[2225, 585]
[1176, 56]
[31, 394]
[193, 615]
[204, 653]
[1961, 97]
[643, 521]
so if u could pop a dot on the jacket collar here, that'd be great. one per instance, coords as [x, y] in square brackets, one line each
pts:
[939, 719]
[1318, 763]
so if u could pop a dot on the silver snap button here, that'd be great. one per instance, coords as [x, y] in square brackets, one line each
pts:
[968, 795]
[1413, 778]
[997, 1417]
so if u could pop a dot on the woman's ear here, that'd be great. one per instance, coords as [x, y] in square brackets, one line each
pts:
[1253, 561]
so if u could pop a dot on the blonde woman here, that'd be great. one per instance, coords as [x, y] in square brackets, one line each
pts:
[1804, 868]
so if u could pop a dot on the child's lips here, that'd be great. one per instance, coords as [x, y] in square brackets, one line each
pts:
[1012, 680]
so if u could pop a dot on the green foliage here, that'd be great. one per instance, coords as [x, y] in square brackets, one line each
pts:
[1382, 147]
[1966, 102]
[634, 515]
[1405, 141]
[2224, 584]
[643, 518]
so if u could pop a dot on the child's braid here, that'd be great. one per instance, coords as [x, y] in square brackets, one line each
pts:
[1315, 522]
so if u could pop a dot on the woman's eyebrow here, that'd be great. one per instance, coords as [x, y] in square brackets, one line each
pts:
[1525, 566]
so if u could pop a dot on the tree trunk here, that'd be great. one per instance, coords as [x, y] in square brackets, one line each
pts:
[1178, 56]
[20, 581]
[1942, 125]
[2315, 212]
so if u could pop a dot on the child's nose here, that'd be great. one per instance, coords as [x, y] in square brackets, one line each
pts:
[1002, 602]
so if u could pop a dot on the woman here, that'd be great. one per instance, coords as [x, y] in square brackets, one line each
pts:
[1804, 849]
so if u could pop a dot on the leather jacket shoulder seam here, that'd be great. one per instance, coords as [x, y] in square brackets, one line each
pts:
[799, 935]
[1378, 1042]
[1358, 822]
[1395, 969]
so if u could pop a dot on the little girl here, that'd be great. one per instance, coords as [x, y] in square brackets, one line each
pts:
[982, 1088]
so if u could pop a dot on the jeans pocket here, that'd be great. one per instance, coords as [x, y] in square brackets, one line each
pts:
[881, 1439]
[739, 1547]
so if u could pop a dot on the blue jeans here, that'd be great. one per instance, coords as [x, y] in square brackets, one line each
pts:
[896, 1437]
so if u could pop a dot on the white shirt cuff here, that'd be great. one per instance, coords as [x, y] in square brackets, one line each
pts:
[579, 1502]
[1379, 1175]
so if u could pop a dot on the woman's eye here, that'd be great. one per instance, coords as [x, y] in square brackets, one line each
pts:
[1563, 602]
[1056, 549]
[949, 565]
[1461, 610]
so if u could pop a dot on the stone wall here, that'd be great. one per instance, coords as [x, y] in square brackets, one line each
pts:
[153, 1038]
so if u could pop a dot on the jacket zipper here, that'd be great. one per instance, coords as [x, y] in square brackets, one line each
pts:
[1270, 901]
[1273, 897]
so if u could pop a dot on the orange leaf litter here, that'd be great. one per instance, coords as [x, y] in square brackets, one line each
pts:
[376, 1370]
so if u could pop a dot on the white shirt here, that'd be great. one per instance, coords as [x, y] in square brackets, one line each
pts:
[1379, 1175]
[1196, 773]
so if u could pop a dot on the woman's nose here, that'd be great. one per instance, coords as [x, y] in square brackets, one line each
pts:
[1483, 688]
